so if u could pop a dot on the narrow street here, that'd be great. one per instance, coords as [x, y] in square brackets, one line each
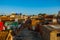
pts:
[26, 34]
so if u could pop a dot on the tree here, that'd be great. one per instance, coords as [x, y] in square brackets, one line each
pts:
[58, 14]
[20, 13]
[1, 15]
[16, 13]
[33, 15]
[39, 14]
[23, 15]
[43, 14]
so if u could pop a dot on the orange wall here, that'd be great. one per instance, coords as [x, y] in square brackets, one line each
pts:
[34, 22]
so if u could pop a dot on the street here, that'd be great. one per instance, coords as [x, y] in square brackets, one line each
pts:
[26, 34]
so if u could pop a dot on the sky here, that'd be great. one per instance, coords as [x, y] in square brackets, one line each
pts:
[29, 6]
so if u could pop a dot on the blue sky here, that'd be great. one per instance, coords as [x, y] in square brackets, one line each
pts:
[29, 6]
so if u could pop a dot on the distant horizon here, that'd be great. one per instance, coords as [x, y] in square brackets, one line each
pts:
[26, 14]
[29, 7]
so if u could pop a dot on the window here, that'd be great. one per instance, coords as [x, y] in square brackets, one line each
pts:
[58, 35]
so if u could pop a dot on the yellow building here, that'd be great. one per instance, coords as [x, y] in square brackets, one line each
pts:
[51, 32]
[4, 18]
[34, 21]
[5, 35]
